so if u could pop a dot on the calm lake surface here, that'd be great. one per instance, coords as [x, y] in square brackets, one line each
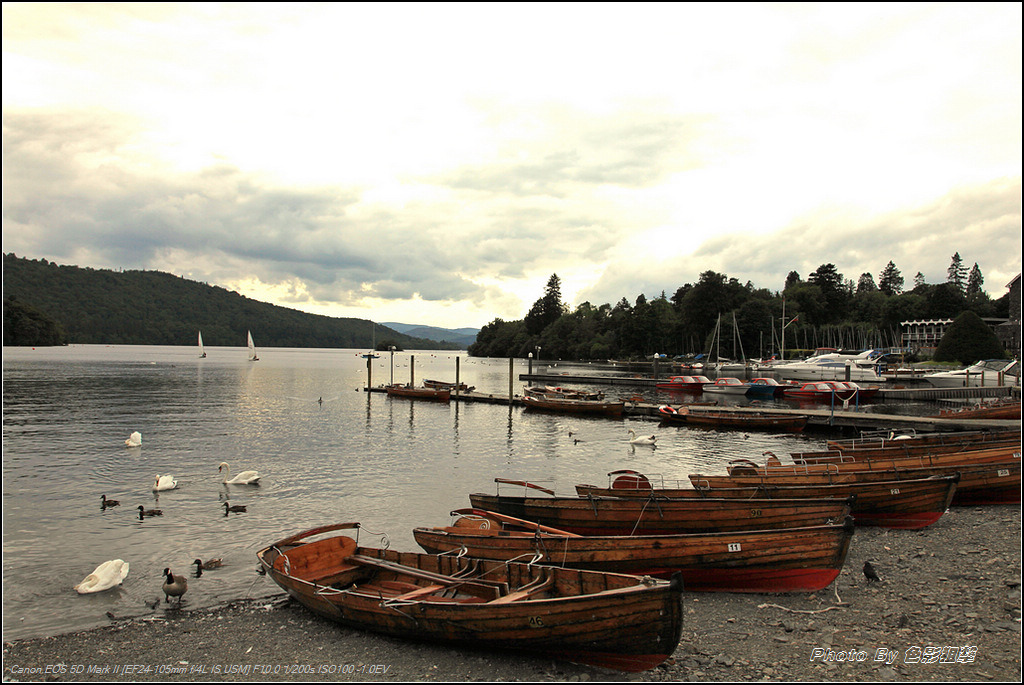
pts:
[328, 451]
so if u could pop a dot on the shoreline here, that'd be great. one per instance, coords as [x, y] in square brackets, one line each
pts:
[948, 608]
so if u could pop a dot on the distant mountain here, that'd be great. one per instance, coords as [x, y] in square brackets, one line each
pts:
[47, 302]
[461, 336]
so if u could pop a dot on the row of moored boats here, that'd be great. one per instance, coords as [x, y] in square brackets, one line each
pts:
[597, 578]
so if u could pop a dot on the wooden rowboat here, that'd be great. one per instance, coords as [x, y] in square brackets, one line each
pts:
[992, 450]
[573, 406]
[745, 420]
[991, 410]
[966, 440]
[784, 560]
[696, 512]
[438, 394]
[604, 619]
[909, 504]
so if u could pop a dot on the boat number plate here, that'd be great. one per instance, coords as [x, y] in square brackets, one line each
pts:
[536, 622]
[894, 491]
[754, 513]
[1003, 472]
[735, 547]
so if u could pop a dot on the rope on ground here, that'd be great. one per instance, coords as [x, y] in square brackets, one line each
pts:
[839, 605]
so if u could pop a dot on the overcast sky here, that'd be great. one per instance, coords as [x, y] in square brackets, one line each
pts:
[436, 164]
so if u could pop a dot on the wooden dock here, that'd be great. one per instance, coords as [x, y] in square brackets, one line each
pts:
[816, 418]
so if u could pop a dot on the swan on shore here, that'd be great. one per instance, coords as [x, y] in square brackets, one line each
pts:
[243, 478]
[107, 575]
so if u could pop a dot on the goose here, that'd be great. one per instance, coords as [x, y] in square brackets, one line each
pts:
[633, 440]
[237, 508]
[164, 483]
[134, 440]
[208, 564]
[107, 575]
[104, 502]
[144, 512]
[243, 478]
[174, 586]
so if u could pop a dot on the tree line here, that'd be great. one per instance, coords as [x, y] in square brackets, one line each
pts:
[48, 304]
[720, 316]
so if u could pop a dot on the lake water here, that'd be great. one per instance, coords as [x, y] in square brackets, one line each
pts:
[328, 451]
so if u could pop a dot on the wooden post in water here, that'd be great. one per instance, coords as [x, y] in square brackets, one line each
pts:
[369, 374]
[511, 370]
[456, 378]
[412, 371]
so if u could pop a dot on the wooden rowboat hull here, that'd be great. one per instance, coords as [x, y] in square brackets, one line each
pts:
[736, 420]
[570, 406]
[603, 619]
[697, 513]
[785, 560]
[908, 504]
[419, 393]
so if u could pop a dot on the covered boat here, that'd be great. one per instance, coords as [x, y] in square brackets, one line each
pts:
[684, 383]
[988, 372]
[574, 406]
[695, 512]
[437, 394]
[727, 385]
[783, 560]
[604, 619]
[738, 420]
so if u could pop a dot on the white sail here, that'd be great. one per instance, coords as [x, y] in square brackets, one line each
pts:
[202, 350]
[252, 348]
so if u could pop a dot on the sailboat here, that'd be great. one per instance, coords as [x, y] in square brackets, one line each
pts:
[202, 350]
[371, 354]
[252, 349]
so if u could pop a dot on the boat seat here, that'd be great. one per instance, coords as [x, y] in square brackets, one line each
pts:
[536, 586]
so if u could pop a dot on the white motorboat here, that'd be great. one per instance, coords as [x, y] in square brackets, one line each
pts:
[987, 372]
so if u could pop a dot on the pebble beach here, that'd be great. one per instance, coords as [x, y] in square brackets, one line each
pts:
[947, 608]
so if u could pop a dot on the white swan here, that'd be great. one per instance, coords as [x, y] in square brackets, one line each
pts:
[164, 483]
[243, 478]
[134, 440]
[107, 575]
[633, 440]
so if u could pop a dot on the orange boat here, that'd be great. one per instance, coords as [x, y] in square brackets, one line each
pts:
[591, 617]
[783, 560]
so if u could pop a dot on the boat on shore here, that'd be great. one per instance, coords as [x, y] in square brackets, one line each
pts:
[604, 619]
[696, 512]
[410, 392]
[737, 420]
[905, 504]
[783, 560]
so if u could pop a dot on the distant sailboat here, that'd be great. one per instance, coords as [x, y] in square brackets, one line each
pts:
[202, 350]
[252, 349]
[373, 349]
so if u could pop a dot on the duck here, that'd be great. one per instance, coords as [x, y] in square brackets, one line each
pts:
[208, 564]
[648, 440]
[236, 508]
[107, 575]
[144, 512]
[243, 478]
[174, 586]
[134, 440]
[164, 483]
[104, 502]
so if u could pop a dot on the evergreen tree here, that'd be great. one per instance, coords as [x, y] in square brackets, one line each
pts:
[546, 310]
[830, 281]
[919, 281]
[974, 282]
[890, 281]
[956, 274]
[866, 283]
[792, 279]
[967, 340]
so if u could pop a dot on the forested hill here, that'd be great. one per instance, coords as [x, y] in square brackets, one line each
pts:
[101, 306]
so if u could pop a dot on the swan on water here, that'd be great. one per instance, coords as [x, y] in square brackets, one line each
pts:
[633, 440]
[243, 478]
[164, 483]
[134, 440]
[107, 575]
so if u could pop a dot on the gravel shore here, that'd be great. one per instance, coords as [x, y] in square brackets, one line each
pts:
[947, 608]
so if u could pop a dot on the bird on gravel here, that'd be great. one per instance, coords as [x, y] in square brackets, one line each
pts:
[174, 586]
[869, 572]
